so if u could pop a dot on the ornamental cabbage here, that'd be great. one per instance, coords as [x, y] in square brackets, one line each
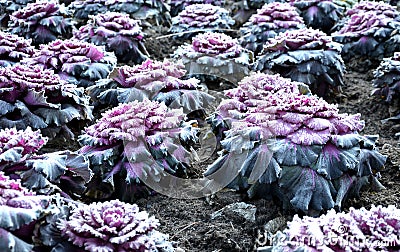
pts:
[75, 61]
[318, 14]
[154, 11]
[61, 172]
[215, 55]
[113, 226]
[357, 230]
[242, 9]
[8, 7]
[42, 21]
[268, 22]
[386, 84]
[197, 18]
[31, 96]
[178, 5]
[296, 147]
[18, 145]
[135, 140]
[20, 210]
[153, 80]
[14, 48]
[118, 33]
[371, 33]
[305, 55]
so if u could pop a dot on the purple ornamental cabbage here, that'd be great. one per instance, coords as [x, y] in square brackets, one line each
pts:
[154, 11]
[215, 55]
[61, 172]
[75, 61]
[298, 148]
[42, 21]
[371, 33]
[7, 7]
[30, 96]
[118, 33]
[136, 140]
[305, 55]
[268, 22]
[197, 18]
[178, 5]
[14, 48]
[379, 8]
[241, 10]
[113, 226]
[153, 80]
[20, 210]
[19, 145]
[319, 14]
[376, 229]
[387, 84]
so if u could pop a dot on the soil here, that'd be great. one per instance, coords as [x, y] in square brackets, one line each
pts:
[189, 222]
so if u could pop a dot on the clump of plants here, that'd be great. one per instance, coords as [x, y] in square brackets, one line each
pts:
[386, 84]
[153, 80]
[136, 140]
[212, 55]
[293, 147]
[20, 210]
[268, 22]
[319, 14]
[242, 10]
[153, 11]
[178, 5]
[62, 172]
[197, 18]
[31, 96]
[370, 34]
[305, 55]
[8, 7]
[75, 61]
[112, 226]
[42, 21]
[14, 48]
[118, 33]
[356, 230]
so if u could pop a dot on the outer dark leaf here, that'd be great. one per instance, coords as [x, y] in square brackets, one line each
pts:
[307, 189]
